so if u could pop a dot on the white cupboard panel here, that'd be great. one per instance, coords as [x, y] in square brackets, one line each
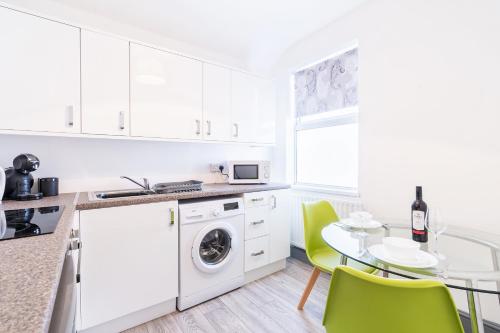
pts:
[40, 74]
[105, 84]
[256, 253]
[253, 108]
[256, 222]
[216, 103]
[244, 102]
[129, 260]
[279, 216]
[166, 94]
[266, 112]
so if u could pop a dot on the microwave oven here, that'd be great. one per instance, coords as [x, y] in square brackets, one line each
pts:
[249, 172]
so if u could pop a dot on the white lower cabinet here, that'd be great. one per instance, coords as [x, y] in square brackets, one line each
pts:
[279, 224]
[129, 263]
[256, 253]
[267, 227]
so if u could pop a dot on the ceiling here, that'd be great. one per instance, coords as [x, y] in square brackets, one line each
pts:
[255, 32]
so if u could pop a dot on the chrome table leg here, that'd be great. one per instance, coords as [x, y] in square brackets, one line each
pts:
[496, 264]
[343, 260]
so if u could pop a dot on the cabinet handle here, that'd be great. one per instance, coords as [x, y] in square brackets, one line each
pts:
[209, 127]
[121, 120]
[78, 277]
[198, 127]
[274, 202]
[236, 130]
[255, 254]
[75, 233]
[258, 222]
[172, 216]
[69, 115]
[257, 199]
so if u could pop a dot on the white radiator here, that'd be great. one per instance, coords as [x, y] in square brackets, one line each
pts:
[343, 206]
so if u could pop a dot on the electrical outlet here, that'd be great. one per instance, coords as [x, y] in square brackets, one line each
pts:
[214, 167]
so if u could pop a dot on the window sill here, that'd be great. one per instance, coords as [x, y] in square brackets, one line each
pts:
[327, 190]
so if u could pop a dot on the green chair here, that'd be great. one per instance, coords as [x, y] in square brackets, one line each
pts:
[317, 215]
[359, 302]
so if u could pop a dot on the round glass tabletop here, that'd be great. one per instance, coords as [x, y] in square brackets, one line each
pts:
[461, 258]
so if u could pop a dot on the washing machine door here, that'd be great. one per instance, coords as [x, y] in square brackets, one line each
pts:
[214, 247]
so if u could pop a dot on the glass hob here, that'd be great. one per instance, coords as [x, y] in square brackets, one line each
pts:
[28, 222]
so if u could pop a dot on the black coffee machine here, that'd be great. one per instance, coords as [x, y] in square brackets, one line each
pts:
[19, 181]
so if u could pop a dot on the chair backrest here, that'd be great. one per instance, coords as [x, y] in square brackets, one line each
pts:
[316, 216]
[359, 302]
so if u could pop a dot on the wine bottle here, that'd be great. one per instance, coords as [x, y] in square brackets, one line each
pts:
[418, 218]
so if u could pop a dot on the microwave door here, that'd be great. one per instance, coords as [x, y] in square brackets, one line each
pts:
[249, 172]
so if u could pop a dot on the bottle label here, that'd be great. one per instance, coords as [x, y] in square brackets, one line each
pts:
[418, 221]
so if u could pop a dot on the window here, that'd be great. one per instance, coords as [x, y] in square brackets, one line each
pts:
[326, 124]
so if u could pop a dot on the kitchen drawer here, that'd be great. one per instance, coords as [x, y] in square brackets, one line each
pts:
[256, 222]
[256, 253]
[256, 199]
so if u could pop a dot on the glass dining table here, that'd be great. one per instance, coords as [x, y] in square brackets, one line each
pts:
[464, 259]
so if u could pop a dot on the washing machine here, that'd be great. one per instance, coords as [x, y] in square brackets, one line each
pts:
[211, 253]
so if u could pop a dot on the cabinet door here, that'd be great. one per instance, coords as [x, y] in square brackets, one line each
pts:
[105, 84]
[256, 253]
[244, 101]
[40, 74]
[279, 224]
[216, 103]
[129, 260]
[266, 112]
[165, 94]
[253, 109]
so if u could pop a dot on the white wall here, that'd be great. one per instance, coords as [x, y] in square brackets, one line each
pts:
[90, 164]
[429, 106]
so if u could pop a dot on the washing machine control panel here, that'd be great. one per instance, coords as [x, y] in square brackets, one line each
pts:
[210, 209]
[215, 213]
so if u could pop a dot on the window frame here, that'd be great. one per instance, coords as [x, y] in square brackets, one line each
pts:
[349, 115]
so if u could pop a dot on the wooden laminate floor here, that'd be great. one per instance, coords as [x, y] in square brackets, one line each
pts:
[266, 305]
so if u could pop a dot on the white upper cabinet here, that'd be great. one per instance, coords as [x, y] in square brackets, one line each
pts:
[105, 84]
[216, 103]
[39, 74]
[165, 94]
[244, 99]
[253, 109]
[266, 112]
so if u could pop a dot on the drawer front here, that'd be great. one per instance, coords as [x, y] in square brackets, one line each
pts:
[256, 199]
[256, 222]
[256, 253]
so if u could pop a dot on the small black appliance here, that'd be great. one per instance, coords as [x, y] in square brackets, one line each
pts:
[49, 186]
[19, 181]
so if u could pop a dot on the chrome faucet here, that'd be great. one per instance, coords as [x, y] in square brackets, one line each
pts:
[145, 184]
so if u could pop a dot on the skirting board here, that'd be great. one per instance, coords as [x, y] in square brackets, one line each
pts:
[489, 327]
[265, 270]
[133, 319]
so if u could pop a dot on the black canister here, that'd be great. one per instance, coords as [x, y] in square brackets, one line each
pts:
[48, 186]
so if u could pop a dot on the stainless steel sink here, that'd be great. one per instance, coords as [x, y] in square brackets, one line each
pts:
[103, 195]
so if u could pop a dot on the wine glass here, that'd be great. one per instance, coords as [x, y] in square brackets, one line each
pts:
[436, 225]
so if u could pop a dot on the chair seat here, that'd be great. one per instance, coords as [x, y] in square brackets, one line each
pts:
[327, 259]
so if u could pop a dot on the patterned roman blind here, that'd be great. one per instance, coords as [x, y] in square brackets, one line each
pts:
[327, 86]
